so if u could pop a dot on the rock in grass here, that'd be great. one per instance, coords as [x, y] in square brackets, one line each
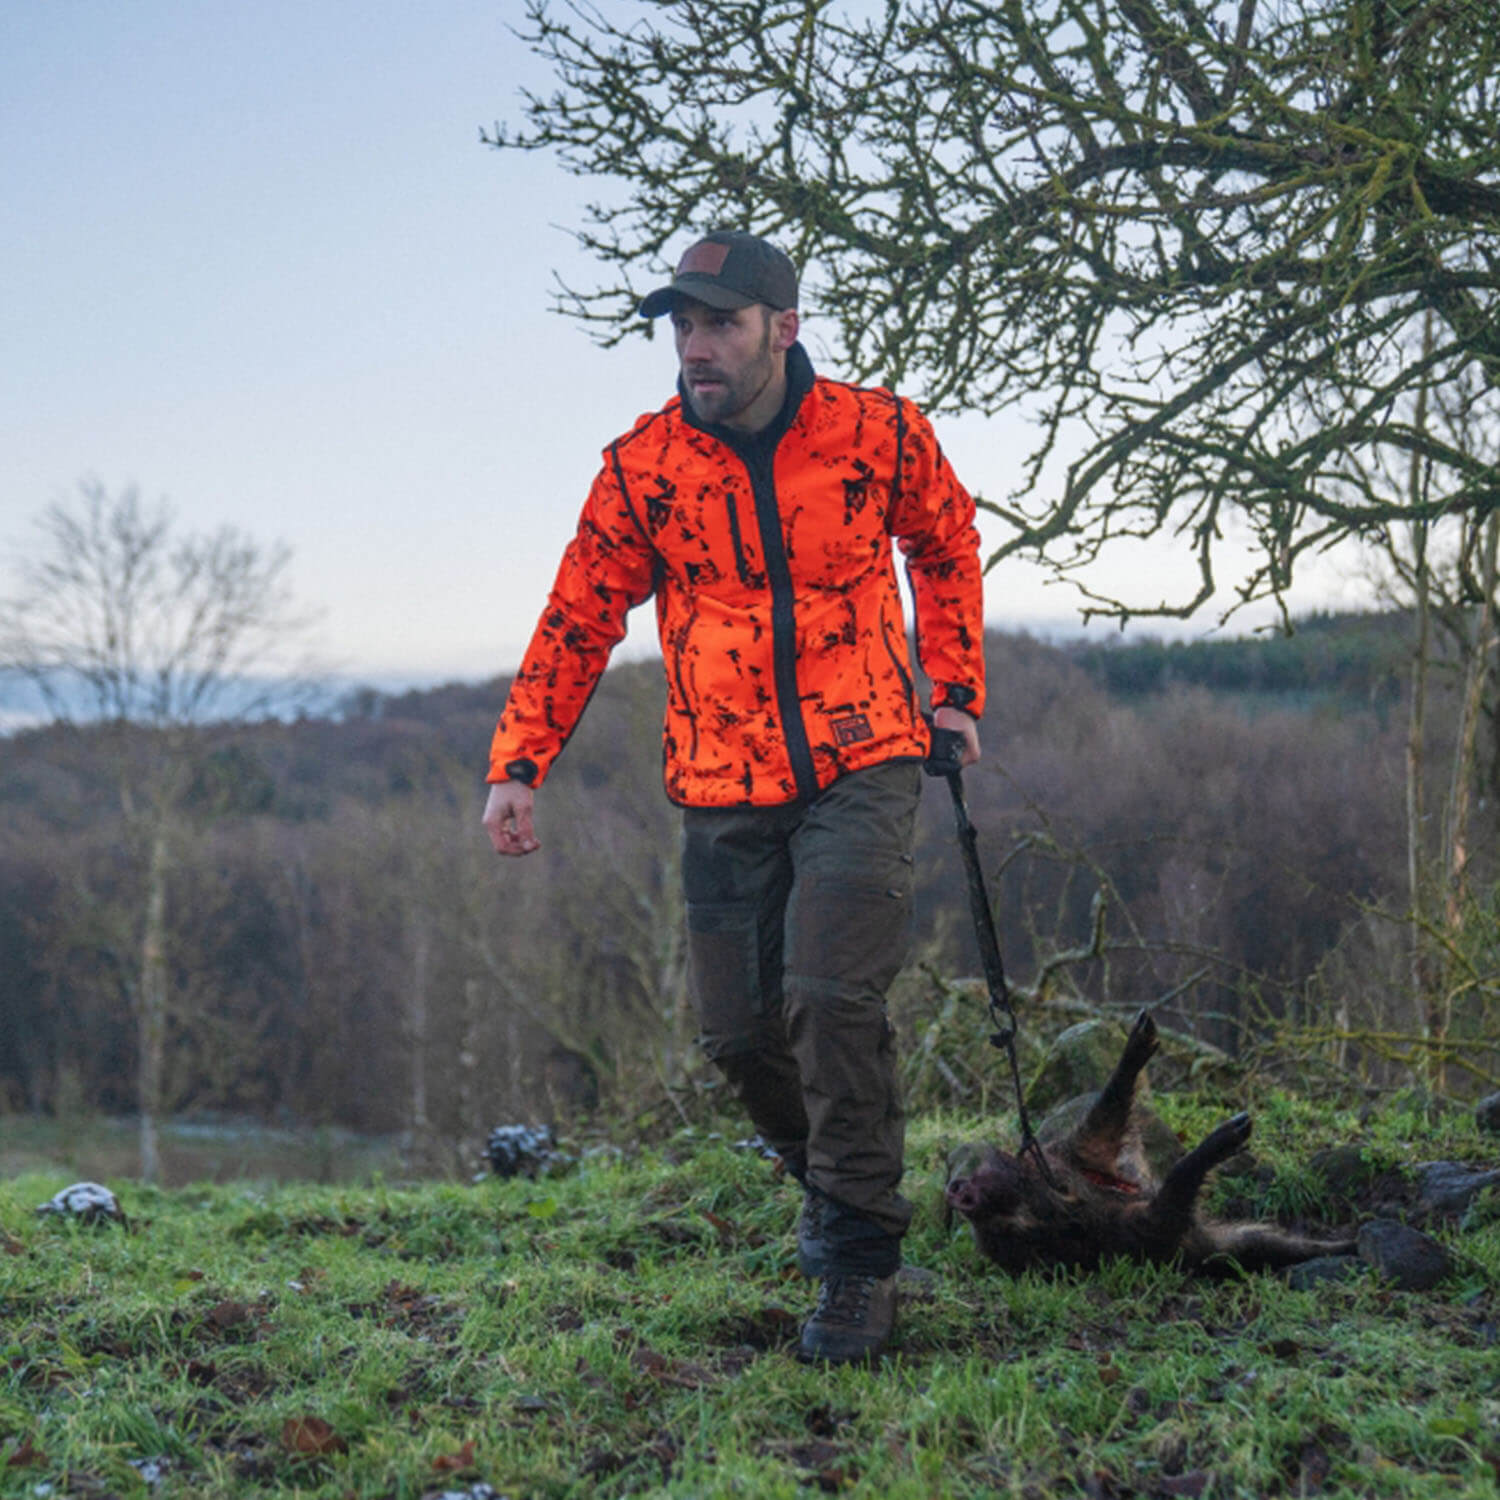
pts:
[88, 1202]
[1487, 1114]
[1413, 1261]
[1078, 1062]
[1324, 1268]
[1449, 1187]
[917, 1283]
[1346, 1169]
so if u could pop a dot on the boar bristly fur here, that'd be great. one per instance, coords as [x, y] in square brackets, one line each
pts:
[1104, 1200]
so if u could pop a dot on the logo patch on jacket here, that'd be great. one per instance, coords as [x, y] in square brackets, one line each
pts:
[851, 729]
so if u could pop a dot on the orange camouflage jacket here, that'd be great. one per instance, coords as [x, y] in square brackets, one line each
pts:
[777, 602]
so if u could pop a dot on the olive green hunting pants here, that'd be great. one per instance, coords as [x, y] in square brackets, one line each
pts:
[798, 921]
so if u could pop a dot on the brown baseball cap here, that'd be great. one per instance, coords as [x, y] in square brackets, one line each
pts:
[728, 269]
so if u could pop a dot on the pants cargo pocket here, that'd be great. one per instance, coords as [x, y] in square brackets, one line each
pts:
[727, 984]
[851, 928]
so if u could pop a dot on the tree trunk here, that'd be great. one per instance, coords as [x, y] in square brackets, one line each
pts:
[419, 1135]
[153, 1001]
[1425, 978]
[470, 1151]
[1460, 796]
[1419, 885]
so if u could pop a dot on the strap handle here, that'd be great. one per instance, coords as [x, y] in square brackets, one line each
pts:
[945, 759]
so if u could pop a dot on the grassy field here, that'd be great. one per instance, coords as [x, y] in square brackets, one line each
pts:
[626, 1329]
[101, 1148]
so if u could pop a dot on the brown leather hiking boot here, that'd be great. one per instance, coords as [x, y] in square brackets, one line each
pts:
[852, 1321]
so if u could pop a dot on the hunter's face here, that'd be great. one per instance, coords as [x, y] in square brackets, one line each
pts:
[733, 361]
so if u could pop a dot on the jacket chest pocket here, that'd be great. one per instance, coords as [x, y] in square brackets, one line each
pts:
[711, 541]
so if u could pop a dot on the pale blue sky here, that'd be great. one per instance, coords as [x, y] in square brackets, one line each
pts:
[255, 260]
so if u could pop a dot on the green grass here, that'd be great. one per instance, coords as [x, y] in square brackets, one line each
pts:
[100, 1147]
[627, 1329]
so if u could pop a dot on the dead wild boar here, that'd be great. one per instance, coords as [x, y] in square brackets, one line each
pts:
[1106, 1200]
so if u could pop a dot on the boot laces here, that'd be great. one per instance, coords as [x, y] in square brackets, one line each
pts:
[844, 1299]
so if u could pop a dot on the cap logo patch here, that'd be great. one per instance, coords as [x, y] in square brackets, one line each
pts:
[704, 259]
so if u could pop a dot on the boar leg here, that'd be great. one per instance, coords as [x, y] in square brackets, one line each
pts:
[1263, 1247]
[1180, 1187]
[1097, 1139]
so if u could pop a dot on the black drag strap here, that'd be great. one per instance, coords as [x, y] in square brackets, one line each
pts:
[945, 759]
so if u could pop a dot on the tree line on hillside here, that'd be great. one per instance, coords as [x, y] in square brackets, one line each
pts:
[1339, 660]
[342, 948]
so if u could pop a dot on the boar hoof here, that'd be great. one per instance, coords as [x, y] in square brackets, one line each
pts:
[1229, 1136]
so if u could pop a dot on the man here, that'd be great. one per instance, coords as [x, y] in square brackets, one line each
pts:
[759, 508]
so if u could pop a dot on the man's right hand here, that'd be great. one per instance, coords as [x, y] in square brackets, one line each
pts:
[507, 818]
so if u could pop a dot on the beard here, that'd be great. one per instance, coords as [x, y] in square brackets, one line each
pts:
[732, 390]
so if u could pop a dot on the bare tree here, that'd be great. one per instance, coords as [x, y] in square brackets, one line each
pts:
[130, 628]
[1196, 240]
[1442, 566]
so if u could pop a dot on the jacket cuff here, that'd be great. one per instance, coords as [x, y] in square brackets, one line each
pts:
[957, 695]
[522, 770]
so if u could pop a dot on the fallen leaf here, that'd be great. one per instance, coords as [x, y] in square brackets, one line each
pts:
[227, 1314]
[676, 1372]
[452, 1462]
[307, 1278]
[26, 1455]
[310, 1437]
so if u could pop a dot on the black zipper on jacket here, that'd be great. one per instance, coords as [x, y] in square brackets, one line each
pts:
[757, 451]
[783, 622]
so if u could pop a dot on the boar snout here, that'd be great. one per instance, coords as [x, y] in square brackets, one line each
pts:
[963, 1195]
[992, 1188]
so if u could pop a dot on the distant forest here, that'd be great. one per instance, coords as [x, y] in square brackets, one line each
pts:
[1214, 825]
